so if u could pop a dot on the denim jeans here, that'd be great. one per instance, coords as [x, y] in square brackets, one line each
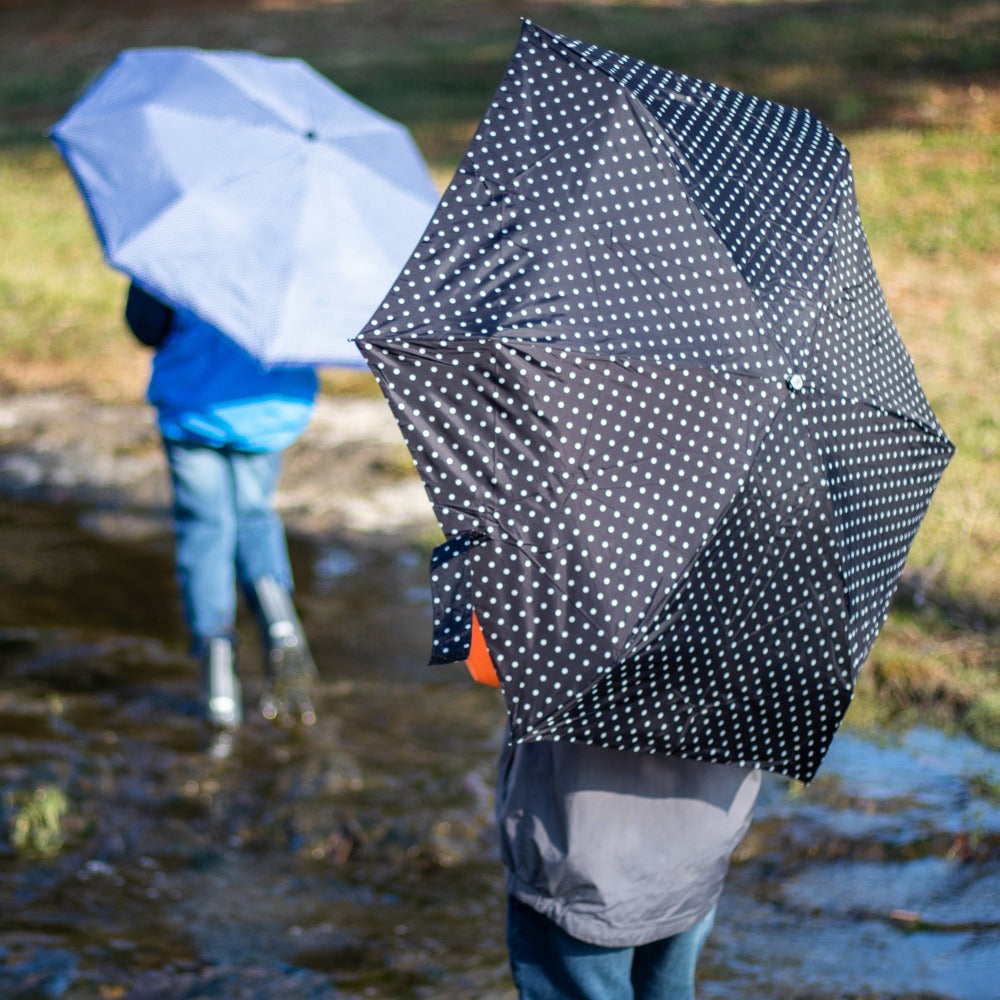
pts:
[227, 530]
[549, 964]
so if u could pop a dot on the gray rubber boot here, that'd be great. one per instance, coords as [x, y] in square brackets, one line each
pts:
[288, 665]
[221, 694]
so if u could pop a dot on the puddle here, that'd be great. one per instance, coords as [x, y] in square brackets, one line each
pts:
[357, 859]
[882, 879]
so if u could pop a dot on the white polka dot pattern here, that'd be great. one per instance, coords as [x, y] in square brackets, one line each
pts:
[645, 368]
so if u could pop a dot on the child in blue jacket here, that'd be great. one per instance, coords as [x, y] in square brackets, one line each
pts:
[225, 423]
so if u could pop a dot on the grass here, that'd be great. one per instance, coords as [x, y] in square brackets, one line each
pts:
[931, 204]
[35, 824]
[60, 307]
[911, 86]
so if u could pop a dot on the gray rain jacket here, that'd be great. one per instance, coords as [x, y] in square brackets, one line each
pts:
[619, 848]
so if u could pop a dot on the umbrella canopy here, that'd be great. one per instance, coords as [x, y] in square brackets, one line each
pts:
[646, 370]
[251, 191]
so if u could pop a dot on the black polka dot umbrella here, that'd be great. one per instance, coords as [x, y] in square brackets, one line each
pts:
[647, 373]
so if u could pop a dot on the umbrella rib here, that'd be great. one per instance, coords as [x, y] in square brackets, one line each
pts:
[641, 637]
[643, 117]
[532, 554]
[820, 634]
[217, 184]
[569, 140]
[930, 430]
[656, 140]
[661, 289]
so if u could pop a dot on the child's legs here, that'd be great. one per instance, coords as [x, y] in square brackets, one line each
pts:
[666, 968]
[549, 964]
[261, 546]
[205, 532]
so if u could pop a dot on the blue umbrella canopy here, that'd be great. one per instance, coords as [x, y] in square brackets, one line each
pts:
[679, 452]
[251, 191]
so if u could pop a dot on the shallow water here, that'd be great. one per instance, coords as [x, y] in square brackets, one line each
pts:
[882, 879]
[357, 859]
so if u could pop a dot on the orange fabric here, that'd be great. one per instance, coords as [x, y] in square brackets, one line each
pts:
[479, 661]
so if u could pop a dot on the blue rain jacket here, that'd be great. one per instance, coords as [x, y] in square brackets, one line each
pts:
[209, 390]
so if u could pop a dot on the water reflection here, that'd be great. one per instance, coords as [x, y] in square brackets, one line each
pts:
[880, 880]
[357, 859]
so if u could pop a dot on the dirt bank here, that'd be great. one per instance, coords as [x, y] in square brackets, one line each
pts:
[349, 474]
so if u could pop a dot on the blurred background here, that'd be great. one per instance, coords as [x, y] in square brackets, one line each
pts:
[363, 865]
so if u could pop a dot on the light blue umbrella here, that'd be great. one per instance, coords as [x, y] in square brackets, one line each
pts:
[251, 191]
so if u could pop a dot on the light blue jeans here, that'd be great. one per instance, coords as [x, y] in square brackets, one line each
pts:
[228, 533]
[549, 964]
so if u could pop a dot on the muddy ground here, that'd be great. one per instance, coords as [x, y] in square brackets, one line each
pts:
[358, 860]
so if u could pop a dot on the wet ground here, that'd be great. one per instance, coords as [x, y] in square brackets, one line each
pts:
[357, 859]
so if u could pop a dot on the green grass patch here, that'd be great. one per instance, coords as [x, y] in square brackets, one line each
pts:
[57, 297]
[930, 200]
[929, 192]
[35, 821]
[931, 664]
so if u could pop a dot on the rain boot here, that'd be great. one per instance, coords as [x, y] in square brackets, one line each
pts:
[288, 665]
[220, 686]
